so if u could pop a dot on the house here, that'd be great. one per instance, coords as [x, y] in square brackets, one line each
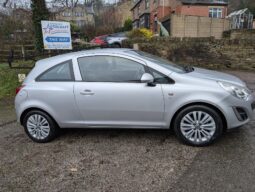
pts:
[123, 10]
[81, 15]
[146, 13]
[4, 12]
[25, 14]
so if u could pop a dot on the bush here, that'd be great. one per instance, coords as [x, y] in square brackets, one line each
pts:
[128, 25]
[9, 81]
[140, 33]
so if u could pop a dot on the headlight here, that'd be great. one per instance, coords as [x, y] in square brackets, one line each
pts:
[235, 90]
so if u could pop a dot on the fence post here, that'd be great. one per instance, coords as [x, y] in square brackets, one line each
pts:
[136, 46]
[23, 52]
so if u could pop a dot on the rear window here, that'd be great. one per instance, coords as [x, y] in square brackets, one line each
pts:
[60, 72]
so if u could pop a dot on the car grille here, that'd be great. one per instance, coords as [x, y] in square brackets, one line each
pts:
[240, 113]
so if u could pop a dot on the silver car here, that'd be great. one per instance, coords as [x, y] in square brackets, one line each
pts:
[124, 88]
[115, 40]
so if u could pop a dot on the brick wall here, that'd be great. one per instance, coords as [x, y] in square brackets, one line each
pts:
[198, 10]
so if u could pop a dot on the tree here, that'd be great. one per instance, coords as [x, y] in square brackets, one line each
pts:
[66, 3]
[39, 13]
[128, 25]
[241, 4]
[5, 3]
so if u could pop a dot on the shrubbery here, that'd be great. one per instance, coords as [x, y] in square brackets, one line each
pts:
[140, 33]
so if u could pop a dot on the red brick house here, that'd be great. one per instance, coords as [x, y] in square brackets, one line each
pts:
[147, 12]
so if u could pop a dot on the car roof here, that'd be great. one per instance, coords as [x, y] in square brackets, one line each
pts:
[68, 56]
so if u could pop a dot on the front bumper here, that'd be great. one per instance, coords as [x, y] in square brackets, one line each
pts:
[238, 112]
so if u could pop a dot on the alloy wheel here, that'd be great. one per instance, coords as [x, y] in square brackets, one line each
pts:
[38, 126]
[198, 127]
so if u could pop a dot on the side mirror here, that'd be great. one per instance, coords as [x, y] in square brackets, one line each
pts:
[147, 78]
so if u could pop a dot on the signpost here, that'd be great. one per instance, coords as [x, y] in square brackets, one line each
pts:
[56, 35]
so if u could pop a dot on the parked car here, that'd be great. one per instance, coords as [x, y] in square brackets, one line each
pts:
[115, 40]
[124, 88]
[100, 40]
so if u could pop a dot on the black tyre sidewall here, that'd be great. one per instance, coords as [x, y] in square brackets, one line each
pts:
[53, 127]
[217, 118]
[116, 45]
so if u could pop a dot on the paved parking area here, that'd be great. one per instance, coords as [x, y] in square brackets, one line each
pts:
[125, 160]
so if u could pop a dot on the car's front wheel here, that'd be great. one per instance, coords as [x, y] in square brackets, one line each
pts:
[39, 126]
[198, 125]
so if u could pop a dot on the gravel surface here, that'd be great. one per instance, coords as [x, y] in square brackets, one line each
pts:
[125, 160]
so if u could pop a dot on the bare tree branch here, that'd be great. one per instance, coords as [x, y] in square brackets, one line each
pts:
[5, 3]
[67, 3]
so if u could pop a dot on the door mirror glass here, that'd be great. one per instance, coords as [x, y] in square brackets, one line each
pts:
[147, 78]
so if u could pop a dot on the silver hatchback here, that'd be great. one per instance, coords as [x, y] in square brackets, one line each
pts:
[124, 88]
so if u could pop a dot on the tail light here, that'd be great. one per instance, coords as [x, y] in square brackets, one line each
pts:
[19, 88]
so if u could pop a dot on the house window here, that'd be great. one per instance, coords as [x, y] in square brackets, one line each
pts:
[66, 14]
[215, 12]
[147, 4]
[145, 21]
[142, 22]
[79, 14]
[155, 24]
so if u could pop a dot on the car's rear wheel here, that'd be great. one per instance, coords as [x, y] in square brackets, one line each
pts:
[198, 125]
[39, 126]
[116, 45]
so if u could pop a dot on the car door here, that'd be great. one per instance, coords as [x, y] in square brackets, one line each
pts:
[111, 93]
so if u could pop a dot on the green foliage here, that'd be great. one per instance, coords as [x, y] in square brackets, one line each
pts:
[40, 12]
[140, 33]
[74, 28]
[9, 81]
[128, 25]
[250, 4]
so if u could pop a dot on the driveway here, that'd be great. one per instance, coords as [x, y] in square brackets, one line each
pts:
[125, 160]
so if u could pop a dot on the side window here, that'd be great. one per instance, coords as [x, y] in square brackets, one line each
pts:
[60, 72]
[110, 69]
[160, 78]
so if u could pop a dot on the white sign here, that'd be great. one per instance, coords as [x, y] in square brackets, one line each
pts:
[56, 35]
[21, 77]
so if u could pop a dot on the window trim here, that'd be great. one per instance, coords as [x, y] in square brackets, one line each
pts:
[218, 10]
[171, 81]
[70, 64]
[82, 80]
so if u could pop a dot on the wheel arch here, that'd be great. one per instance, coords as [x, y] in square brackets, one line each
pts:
[23, 114]
[225, 124]
[117, 43]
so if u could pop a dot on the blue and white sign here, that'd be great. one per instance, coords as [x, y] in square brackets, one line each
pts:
[56, 35]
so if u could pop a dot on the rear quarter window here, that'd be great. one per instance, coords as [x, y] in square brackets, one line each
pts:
[60, 72]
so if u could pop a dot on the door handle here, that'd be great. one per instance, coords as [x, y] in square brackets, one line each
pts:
[87, 92]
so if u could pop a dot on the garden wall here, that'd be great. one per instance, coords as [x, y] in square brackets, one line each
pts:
[203, 52]
[196, 26]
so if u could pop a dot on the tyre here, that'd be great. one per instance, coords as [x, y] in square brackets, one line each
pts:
[198, 125]
[39, 126]
[116, 45]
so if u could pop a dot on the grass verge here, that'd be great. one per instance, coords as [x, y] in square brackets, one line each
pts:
[9, 80]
